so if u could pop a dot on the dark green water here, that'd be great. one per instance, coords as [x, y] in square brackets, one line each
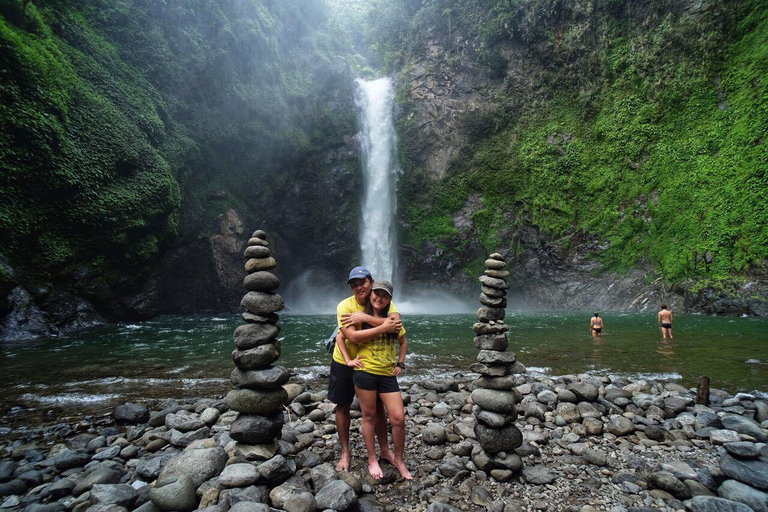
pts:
[190, 356]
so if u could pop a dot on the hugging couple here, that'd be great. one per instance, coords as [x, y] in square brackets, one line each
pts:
[369, 355]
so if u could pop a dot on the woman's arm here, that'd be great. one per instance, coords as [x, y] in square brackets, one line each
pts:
[364, 336]
[360, 318]
[401, 355]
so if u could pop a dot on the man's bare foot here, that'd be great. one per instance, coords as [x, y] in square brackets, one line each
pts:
[343, 464]
[374, 469]
[388, 456]
[400, 465]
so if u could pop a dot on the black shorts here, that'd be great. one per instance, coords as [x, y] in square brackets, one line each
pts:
[379, 383]
[666, 325]
[341, 388]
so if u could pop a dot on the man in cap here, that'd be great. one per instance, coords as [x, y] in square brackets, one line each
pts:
[350, 315]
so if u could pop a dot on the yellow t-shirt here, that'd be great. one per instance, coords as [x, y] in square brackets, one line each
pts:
[380, 354]
[350, 305]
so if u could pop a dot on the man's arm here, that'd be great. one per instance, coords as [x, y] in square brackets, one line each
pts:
[364, 336]
[360, 318]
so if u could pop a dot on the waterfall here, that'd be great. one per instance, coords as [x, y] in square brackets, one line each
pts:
[375, 103]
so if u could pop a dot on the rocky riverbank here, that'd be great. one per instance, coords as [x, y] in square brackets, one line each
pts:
[590, 443]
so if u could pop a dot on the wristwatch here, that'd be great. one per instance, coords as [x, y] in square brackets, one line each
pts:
[400, 365]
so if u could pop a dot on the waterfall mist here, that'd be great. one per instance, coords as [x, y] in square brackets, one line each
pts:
[378, 237]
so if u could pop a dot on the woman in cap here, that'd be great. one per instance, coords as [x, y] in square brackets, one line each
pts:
[383, 360]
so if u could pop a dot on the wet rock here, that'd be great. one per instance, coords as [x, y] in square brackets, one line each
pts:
[255, 402]
[711, 504]
[736, 491]
[257, 357]
[122, 495]
[130, 414]
[261, 303]
[239, 475]
[269, 377]
[743, 425]
[336, 495]
[174, 493]
[261, 282]
[196, 466]
[257, 429]
[751, 472]
[493, 400]
[743, 450]
[292, 498]
[99, 476]
[434, 434]
[252, 335]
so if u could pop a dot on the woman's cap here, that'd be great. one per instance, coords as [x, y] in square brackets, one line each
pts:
[383, 285]
[359, 273]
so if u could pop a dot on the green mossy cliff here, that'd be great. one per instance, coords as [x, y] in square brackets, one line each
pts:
[627, 135]
[131, 128]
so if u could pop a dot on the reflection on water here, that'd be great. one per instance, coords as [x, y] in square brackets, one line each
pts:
[190, 356]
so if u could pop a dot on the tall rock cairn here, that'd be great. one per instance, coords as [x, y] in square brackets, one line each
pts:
[259, 396]
[493, 398]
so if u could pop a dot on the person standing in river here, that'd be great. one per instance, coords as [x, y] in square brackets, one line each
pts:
[596, 326]
[376, 380]
[350, 315]
[665, 322]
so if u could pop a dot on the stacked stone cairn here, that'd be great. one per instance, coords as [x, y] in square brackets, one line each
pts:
[493, 398]
[260, 395]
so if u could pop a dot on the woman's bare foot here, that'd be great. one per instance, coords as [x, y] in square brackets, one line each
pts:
[400, 465]
[344, 462]
[388, 456]
[374, 469]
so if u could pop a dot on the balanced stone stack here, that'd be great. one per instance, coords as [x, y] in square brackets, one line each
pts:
[494, 399]
[259, 396]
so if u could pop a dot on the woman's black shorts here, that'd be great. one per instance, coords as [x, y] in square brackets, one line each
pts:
[379, 383]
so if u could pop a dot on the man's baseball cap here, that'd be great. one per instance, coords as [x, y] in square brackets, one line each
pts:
[383, 285]
[358, 273]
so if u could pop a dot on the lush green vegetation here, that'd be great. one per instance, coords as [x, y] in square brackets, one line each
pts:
[126, 124]
[643, 124]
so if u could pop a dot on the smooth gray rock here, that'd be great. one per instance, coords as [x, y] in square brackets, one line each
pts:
[539, 475]
[252, 335]
[257, 357]
[743, 425]
[322, 475]
[69, 459]
[493, 282]
[723, 436]
[258, 264]
[493, 419]
[291, 498]
[196, 465]
[275, 470]
[666, 481]
[750, 472]
[149, 468]
[584, 391]
[257, 429]
[336, 495]
[269, 377]
[736, 491]
[184, 421]
[494, 400]
[712, 504]
[620, 426]
[239, 475]
[262, 304]
[503, 383]
[98, 476]
[743, 450]
[250, 506]
[257, 251]
[568, 411]
[261, 282]
[486, 314]
[174, 493]
[7, 467]
[130, 414]
[434, 434]
[495, 440]
[497, 342]
[255, 402]
[122, 495]
[595, 457]
[485, 328]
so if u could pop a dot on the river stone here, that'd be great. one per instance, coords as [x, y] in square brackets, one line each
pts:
[493, 282]
[122, 495]
[270, 377]
[107, 453]
[261, 282]
[336, 495]
[239, 475]
[252, 335]
[174, 493]
[484, 328]
[493, 292]
[666, 481]
[712, 504]
[587, 410]
[744, 425]
[291, 498]
[494, 264]
[497, 342]
[256, 357]
[259, 233]
[258, 319]
[736, 491]
[149, 468]
[260, 303]
[275, 470]
[539, 475]
[492, 301]
[494, 401]
[433, 434]
[486, 314]
[723, 436]
[498, 274]
[255, 402]
[264, 451]
[101, 475]
[69, 459]
[743, 450]
[493, 419]
[612, 394]
[196, 465]
[750, 472]
[490, 370]
[257, 251]
[584, 391]
[620, 426]
[495, 357]
[210, 416]
[568, 411]
[503, 383]
[258, 241]
[243, 506]
[184, 439]
[258, 264]
[130, 414]
[184, 421]
[257, 429]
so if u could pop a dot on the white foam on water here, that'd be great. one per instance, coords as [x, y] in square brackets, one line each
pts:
[200, 382]
[133, 327]
[307, 373]
[654, 376]
[178, 370]
[65, 399]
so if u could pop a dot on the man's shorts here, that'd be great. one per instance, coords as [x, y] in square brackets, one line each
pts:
[378, 383]
[341, 388]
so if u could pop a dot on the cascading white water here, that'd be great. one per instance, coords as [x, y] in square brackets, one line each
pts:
[375, 102]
